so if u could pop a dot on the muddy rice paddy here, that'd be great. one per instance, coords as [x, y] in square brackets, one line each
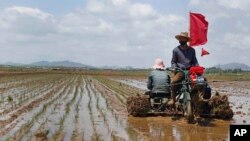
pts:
[55, 107]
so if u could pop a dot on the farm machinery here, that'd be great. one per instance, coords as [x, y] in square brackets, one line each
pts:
[193, 99]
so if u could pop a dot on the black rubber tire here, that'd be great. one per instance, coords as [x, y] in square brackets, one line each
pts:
[189, 109]
[189, 112]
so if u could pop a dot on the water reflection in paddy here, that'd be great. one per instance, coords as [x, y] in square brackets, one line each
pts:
[164, 128]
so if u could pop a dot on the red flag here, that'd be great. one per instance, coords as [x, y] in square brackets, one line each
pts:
[204, 52]
[198, 29]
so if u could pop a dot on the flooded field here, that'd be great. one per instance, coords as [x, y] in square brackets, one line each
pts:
[77, 107]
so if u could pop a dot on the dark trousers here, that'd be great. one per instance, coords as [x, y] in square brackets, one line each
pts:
[176, 84]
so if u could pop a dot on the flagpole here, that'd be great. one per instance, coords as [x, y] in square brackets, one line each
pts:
[189, 25]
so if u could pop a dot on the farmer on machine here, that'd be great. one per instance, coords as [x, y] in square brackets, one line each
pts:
[183, 57]
[158, 80]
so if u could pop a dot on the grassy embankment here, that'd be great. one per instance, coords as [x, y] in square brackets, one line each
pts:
[215, 76]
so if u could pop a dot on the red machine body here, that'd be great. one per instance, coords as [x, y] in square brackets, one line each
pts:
[195, 74]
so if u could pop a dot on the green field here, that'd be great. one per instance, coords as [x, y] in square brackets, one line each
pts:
[79, 104]
[212, 76]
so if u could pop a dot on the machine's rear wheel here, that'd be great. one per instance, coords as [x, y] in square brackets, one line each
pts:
[189, 112]
[189, 108]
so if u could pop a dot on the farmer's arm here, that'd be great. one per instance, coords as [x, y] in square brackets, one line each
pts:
[150, 81]
[194, 60]
[174, 59]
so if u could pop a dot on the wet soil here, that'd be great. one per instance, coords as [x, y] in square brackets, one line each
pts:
[239, 97]
[91, 108]
[170, 128]
[166, 128]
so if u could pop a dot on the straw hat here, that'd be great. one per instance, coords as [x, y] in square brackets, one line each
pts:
[183, 36]
[158, 64]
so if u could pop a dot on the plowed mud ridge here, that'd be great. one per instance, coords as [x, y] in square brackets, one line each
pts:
[77, 107]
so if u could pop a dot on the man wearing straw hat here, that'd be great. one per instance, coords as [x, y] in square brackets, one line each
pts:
[183, 57]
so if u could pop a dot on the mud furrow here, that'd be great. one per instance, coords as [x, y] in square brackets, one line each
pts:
[43, 121]
[118, 93]
[114, 121]
[116, 118]
[43, 107]
[64, 111]
[28, 107]
[100, 131]
[70, 121]
[78, 131]
[84, 114]
[27, 98]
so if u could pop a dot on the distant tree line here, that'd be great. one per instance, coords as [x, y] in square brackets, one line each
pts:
[219, 70]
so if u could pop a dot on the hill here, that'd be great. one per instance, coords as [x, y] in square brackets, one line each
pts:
[65, 63]
[232, 66]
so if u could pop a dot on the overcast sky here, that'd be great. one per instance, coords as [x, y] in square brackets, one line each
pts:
[120, 32]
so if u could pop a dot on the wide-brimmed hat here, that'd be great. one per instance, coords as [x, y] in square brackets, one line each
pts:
[183, 36]
[158, 64]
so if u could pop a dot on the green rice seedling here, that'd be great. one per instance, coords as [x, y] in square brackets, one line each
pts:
[11, 101]
[97, 137]
[74, 134]
[67, 108]
[62, 119]
[89, 107]
[116, 117]
[97, 103]
[2, 97]
[132, 134]
[43, 134]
